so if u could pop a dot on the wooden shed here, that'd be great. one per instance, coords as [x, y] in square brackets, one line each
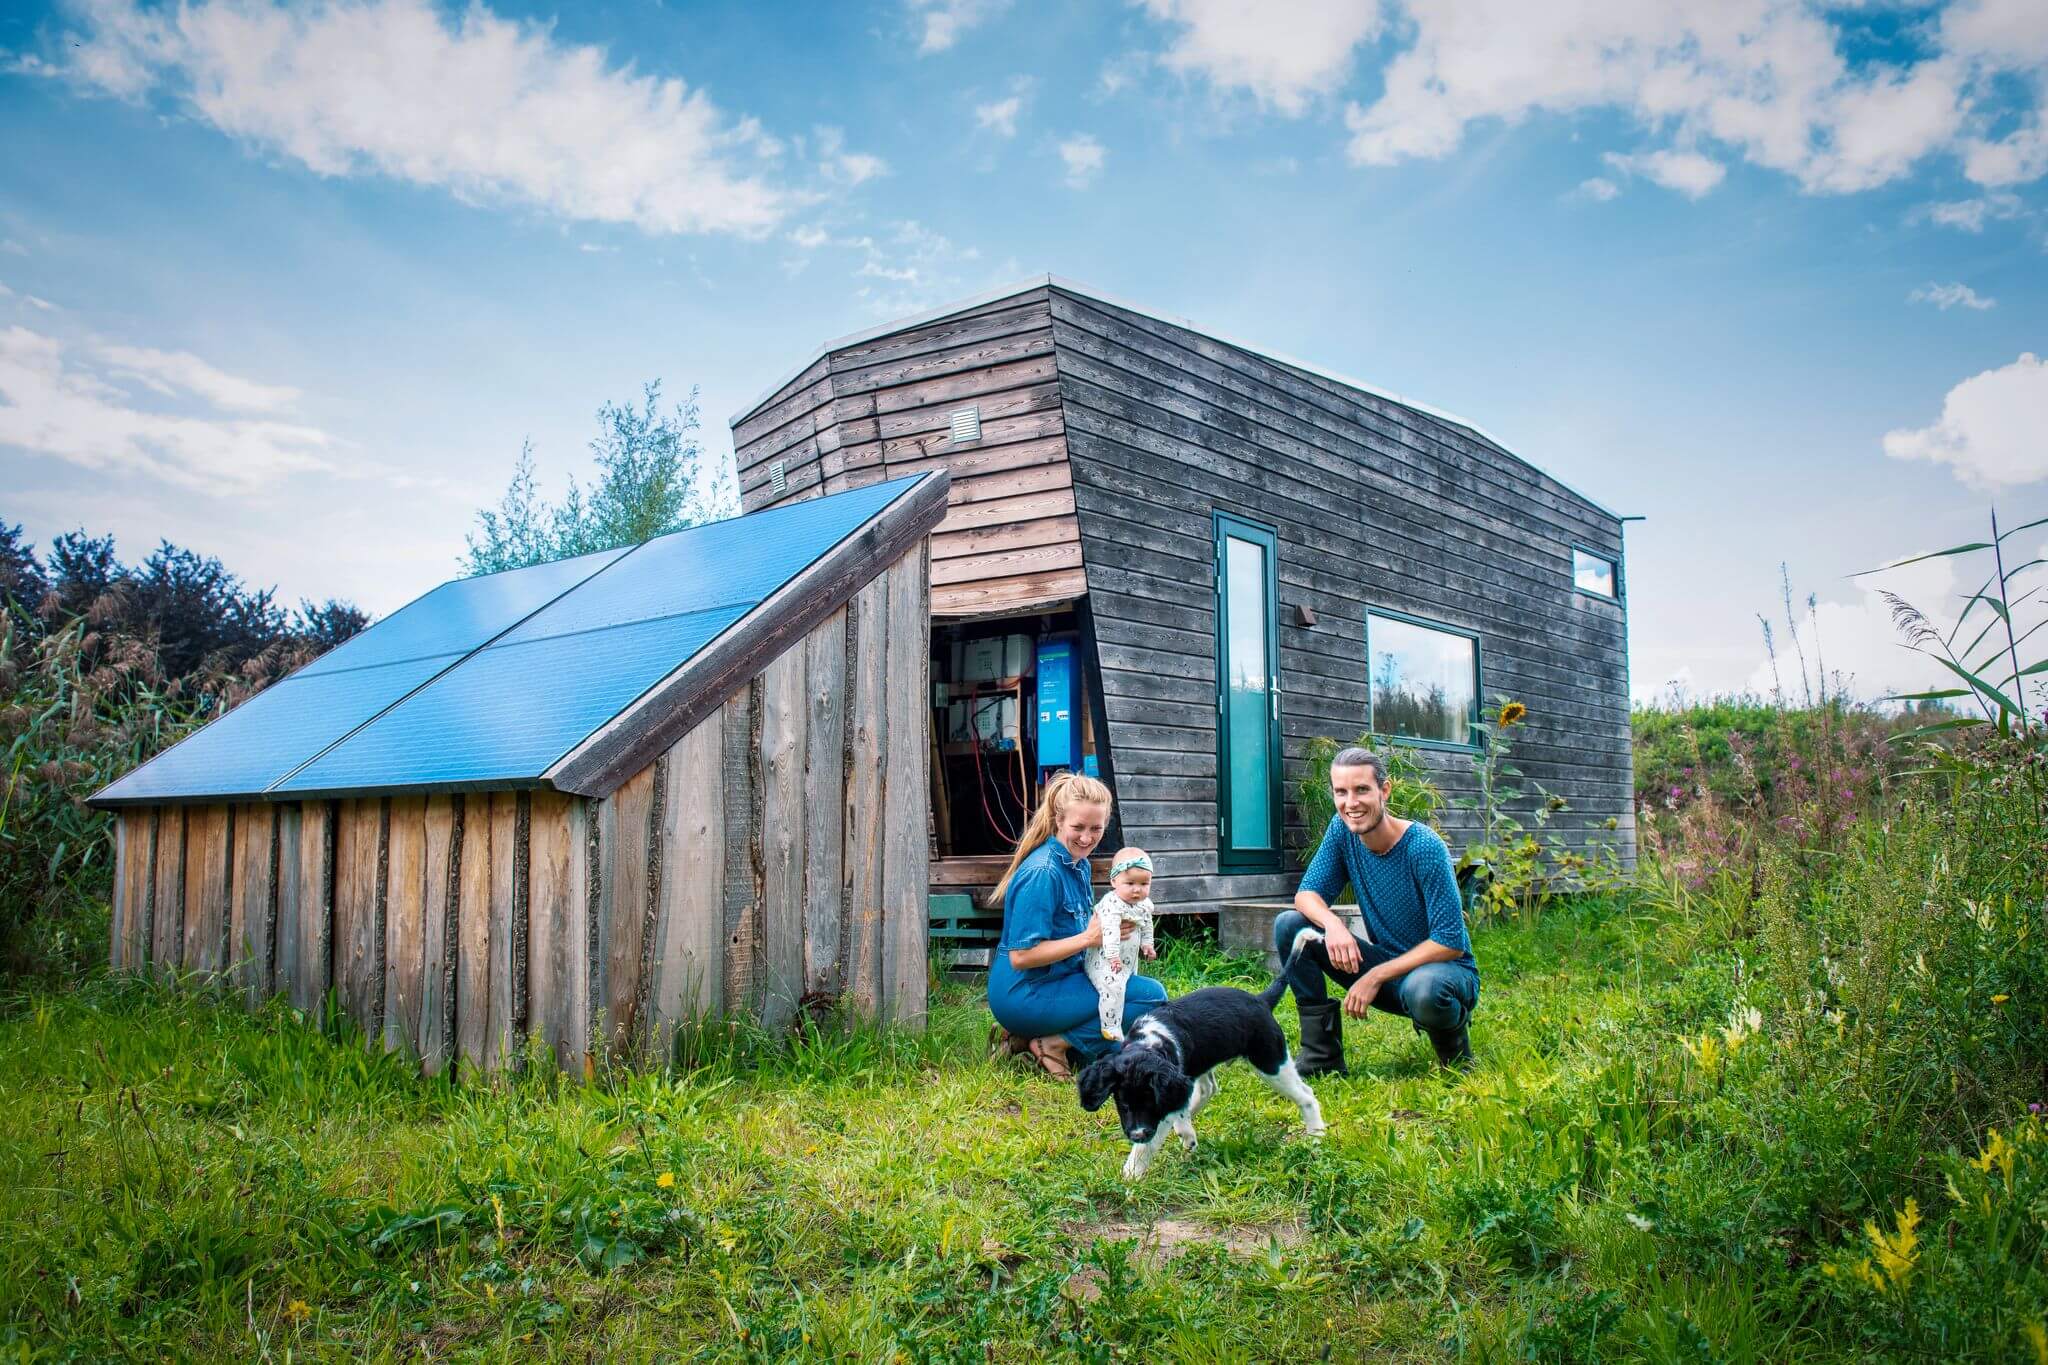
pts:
[587, 800]
[1241, 551]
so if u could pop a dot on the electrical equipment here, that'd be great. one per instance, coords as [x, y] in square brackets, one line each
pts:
[990, 657]
[1056, 734]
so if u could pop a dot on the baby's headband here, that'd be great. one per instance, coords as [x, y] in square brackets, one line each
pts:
[1135, 860]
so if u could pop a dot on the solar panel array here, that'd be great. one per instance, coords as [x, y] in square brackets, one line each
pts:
[492, 679]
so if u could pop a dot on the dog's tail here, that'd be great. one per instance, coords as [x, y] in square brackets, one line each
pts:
[1271, 995]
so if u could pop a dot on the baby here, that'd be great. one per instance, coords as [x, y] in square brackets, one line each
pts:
[1108, 968]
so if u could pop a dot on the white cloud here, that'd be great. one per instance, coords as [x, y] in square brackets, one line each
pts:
[1084, 157]
[1970, 215]
[910, 267]
[809, 238]
[169, 371]
[43, 304]
[1691, 174]
[1284, 52]
[1599, 188]
[1000, 116]
[1990, 430]
[1766, 80]
[1856, 641]
[941, 22]
[837, 164]
[13, 248]
[57, 402]
[492, 110]
[1947, 296]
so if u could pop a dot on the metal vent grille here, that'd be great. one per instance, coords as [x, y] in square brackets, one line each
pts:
[778, 475]
[966, 426]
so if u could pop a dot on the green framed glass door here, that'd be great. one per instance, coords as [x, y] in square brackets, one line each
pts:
[1248, 755]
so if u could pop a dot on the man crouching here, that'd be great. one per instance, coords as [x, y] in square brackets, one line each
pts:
[1415, 959]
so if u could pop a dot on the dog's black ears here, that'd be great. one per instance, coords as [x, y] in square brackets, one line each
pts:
[1095, 1082]
[1171, 1090]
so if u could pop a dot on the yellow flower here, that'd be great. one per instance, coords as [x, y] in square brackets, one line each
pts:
[1898, 1251]
[1512, 713]
[666, 1180]
[2037, 1337]
[298, 1309]
[2000, 999]
[1997, 1152]
[1707, 1052]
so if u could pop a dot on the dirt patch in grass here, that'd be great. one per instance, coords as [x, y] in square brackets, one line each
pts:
[1160, 1242]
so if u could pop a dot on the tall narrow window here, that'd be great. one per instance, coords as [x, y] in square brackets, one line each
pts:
[1423, 679]
[1248, 753]
[1593, 573]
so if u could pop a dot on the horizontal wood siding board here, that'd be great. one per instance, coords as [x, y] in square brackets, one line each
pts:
[672, 707]
[983, 457]
[1010, 536]
[960, 390]
[896, 359]
[1001, 596]
[799, 395]
[1008, 563]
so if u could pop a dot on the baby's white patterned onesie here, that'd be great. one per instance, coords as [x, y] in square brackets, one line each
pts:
[1109, 966]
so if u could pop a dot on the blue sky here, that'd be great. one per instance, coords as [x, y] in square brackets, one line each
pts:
[291, 285]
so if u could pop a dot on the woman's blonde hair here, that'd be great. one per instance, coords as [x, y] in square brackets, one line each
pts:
[1064, 791]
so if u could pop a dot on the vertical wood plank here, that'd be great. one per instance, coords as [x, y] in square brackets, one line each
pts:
[473, 917]
[558, 945]
[206, 909]
[823, 810]
[405, 913]
[118, 912]
[867, 688]
[358, 944]
[132, 943]
[783, 713]
[508, 931]
[319, 836]
[292, 911]
[690, 922]
[438, 944]
[168, 907]
[249, 940]
[625, 818]
[741, 791]
[906, 791]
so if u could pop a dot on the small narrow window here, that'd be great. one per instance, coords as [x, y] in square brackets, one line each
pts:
[1423, 679]
[1592, 573]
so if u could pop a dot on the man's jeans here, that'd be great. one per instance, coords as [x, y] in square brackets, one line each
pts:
[1437, 997]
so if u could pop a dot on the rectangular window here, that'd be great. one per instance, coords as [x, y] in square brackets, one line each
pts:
[1249, 754]
[1424, 679]
[1592, 573]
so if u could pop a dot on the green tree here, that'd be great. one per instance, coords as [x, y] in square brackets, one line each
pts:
[653, 477]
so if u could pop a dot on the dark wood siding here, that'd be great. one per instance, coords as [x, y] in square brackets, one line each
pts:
[1377, 505]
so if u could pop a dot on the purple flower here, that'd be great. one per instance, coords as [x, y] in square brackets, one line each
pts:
[2033, 1108]
[1676, 793]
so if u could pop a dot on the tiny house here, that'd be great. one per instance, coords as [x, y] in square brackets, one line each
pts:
[588, 800]
[1173, 560]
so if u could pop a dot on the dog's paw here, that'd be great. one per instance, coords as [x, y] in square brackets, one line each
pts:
[1187, 1140]
[1317, 1129]
[1136, 1164]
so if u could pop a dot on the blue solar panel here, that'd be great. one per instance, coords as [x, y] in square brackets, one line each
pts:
[457, 617]
[511, 710]
[265, 737]
[530, 663]
[741, 560]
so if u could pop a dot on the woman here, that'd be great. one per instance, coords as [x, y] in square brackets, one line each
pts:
[1036, 988]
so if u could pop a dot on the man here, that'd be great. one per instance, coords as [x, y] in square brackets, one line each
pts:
[1416, 959]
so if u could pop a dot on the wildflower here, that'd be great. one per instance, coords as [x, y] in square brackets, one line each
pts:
[1997, 1152]
[1512, 713]
[298, 1310]
[1638, 1222]
[2037, 1337]
[1706, 1052]
[665, 1181]
[2000, 999]
[1897, 1252]
[2034, 1108]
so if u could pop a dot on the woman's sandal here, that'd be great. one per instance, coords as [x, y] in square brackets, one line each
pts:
[1003, 1043]
[1051, 1055]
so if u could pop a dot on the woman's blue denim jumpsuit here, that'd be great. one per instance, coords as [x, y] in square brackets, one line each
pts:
[1049, 898]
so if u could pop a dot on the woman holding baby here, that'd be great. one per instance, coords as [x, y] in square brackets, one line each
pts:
[1037, 988]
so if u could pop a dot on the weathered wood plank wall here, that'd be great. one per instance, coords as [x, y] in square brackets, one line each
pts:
[1376, 505]
[773, 855]
[881, 410]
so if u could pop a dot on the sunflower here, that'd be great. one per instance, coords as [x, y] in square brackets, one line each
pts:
[1512, 713]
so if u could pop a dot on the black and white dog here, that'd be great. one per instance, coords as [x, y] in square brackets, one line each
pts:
[1165, 1074]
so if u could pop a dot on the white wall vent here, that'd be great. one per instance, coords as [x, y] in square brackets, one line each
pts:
[966, 426]
[778, 474]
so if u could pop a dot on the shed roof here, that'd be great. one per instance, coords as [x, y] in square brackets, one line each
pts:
[571, 675]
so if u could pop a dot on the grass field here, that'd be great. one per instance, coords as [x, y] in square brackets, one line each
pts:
[182, 1180]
